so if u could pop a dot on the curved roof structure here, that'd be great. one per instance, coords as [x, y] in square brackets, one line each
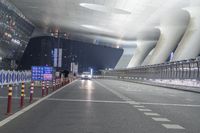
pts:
[109, 21]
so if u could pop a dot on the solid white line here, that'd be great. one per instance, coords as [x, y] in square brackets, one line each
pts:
[161, 119]
[132, 102]
[145, 110]
[138, 106]
[10, 118]
[173, 126]
[152, 114]
[133, 90]
[80, 100]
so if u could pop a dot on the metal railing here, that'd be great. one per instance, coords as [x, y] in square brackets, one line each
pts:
[186, 69]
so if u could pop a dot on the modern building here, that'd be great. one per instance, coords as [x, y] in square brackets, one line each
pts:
[168, 30]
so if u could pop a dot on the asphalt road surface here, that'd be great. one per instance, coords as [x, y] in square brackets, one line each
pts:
[108, 106]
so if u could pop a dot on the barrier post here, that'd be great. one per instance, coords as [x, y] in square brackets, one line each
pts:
[47, 87]
[31, 92]
[62, 81]
[43, 88]
[9, 105]
[22, 95]
[54, 85]
[57, 84]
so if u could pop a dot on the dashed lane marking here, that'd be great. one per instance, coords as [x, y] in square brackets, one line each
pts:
[152, 114]
[138, 106]
[148, 111]
[133, 90]
[160, 119]
[172, 126]
[145, 103]
[145, 110]
[188, 99]
[169, 104]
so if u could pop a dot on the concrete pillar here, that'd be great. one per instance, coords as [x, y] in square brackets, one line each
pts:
[147, 58]
[189, 46]
[125, 58]
[172, 28]
[142, 50]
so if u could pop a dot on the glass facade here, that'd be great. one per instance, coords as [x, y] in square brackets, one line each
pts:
[15, 32]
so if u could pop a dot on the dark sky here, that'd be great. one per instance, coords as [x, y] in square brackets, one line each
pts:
[38, 52]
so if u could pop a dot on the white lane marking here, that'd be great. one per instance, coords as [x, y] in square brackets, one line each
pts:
[160, 119]
[80, 100]
[133, 90]
[169, 126]
[138, 106]
[168, 104]
[132, 102]
[15, 115]
[152, 114]
[188, 99]
[114, 92]
[144, 103]
[172, 126]
[145, 110]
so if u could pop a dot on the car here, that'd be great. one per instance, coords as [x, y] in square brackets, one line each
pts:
[86, 75]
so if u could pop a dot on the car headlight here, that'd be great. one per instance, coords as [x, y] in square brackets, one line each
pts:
[90, 76]
[82, 76]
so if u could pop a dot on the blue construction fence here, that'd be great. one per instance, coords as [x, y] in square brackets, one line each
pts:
[14, 77]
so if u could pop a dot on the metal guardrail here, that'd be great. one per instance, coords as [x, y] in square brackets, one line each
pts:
[186, 69]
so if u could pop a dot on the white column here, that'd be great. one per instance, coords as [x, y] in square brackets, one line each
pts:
[172, 28]
[142, 50]
[147, 58]
[125, 58]
[189, 46]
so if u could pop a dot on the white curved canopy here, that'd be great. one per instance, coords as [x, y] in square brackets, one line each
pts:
[110, 21]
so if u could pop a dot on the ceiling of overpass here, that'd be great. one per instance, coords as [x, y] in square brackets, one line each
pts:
[114, 21]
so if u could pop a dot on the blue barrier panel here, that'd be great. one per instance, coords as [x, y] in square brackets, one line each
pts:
[13, 77]
[23, 76]
[8, 78]
[1, 80]
[18, 77]
[3, 77]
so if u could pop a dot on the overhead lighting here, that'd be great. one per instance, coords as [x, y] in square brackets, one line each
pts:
[97, 28]
[105, 9]
[15, 41]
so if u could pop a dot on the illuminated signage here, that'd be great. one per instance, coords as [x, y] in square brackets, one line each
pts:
[40, 73]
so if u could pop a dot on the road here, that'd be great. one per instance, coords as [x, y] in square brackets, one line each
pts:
[109, 106]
